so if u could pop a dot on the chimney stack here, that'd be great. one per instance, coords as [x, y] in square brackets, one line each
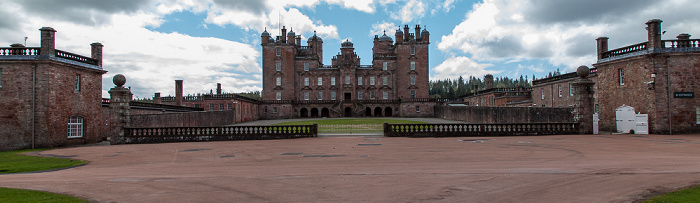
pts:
[178, 92]
[48, 42]
[654, 34]
[97, 52]
[417, 32]
[283, 38]
[157, 99]
[218, 88]
[602, 46]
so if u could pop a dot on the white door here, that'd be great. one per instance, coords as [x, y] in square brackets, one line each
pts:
[641, 124]
[595, 123]
[624, 117]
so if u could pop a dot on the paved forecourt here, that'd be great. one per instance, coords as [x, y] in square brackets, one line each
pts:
[568, 168]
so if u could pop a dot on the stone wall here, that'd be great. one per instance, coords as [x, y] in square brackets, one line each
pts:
[190, 119]
[485, 114]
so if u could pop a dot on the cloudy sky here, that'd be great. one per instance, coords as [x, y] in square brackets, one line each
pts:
[204, 42]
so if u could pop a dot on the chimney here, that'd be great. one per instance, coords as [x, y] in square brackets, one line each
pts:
[48, 42]
[683, 40]
[218, 88]
[417, 32]
[488, 81]
[298, 40]
[284, 35]
[97, 52]
[178, 92]
[476, 89]
[654, 34]
[602, 46]
[157, 99]
[405, 33]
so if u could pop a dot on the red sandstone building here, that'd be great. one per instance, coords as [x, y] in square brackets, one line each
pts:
[49, 97]
[296, 83]
[558, 91]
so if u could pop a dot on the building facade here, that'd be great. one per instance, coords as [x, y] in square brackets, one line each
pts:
[296, 83]
[558, 91]
[657, 77]
[49, 97]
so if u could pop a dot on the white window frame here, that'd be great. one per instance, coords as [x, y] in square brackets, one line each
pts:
[359, 81]
[75, 127]
[306, 66]
[413, 80]
[278, 51]
[332, 80]
[320, 81]
[559, 88]
[212, 107]
[413, 94]
[278, 66]
[621, 74]
[413, 65]
[371, 80]
[385, 80]
[384, 65]
[359, 95]
[306, 95]
[279, 81]
[385, 95]
[274, 109]
[542, 93]
[347, 79]
[278, 95]
[332, 95]
[229, 106]
[413, 51]
[77, 82]
[306, 81]
[221, 107]
[571, 89]
[320, 96]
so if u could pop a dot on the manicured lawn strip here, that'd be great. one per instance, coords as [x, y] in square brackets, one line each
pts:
[19, 195]
[349, 122]
[687, 195]
[12, 162]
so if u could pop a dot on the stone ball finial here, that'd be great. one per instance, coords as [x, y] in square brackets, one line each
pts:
[582, 71]
[119, 80]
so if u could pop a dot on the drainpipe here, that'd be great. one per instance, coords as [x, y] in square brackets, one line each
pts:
[668, 94]
[34, 107]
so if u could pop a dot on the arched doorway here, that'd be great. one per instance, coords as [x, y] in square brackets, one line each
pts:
[314, 112]
[348, 112]
[368, 112]
[387, 111]
[304, 113]
[377, 111]
[325, 112]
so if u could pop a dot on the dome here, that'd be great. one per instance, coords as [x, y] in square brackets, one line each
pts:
[398, 32]
[265, 33]
[385, 38]
[347, 43]
[315, 38]
[425, 32]
[291, 33]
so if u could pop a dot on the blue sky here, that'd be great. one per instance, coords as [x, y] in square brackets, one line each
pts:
[204, 42]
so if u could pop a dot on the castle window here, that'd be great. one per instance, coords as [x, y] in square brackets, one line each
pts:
[211, 107]
[77, 82]
[306, 95]
[385, 95]
[559, 86]
[229, 106]
[279, 66]
[279, 51]
[332, 95]
[622, 76]
[371, 95]
[306, 81]
[359, 81]
[306, 66]
[320, 81]
[413, 94]
[359, 95]
[221, 107]
[332, 80]
[384, 66]
[274, 109]
[571, 89]
[278, 95]
[413, 65]
[413, 80]
[413, 51]
[320, 96]
[347, 80]
[385, 81]
[417, 109]
[542, 93]
[75, 127]
[371, 80]
[279, 81]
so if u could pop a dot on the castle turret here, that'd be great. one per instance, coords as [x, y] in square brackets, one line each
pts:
[425, 35]
[290, 36]
[265, 36]
[316, 44]
[399, 36]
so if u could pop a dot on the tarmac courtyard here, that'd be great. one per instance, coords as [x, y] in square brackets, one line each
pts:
[561, 168]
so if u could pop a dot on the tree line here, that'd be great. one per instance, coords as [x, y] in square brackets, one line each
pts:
[452, 88]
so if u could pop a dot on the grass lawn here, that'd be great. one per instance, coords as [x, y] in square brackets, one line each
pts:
[687, 195]
[12, 162]
[19, 195]
[350, 125]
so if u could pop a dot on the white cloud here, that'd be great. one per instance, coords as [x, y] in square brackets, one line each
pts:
[379, 28]
[413, 9]
[454, 67]
[360, 5]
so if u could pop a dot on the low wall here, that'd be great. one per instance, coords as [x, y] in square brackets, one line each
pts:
[190, 119]
[501, 115]
[202, 134]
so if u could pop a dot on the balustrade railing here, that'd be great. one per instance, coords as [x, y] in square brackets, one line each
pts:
[189, 134]
[75, 57]
[465, 130]
[625, 50]
[592, 71]
[9, 51]
[681, 43]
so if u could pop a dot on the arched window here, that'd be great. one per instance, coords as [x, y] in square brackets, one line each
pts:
[75, 126]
